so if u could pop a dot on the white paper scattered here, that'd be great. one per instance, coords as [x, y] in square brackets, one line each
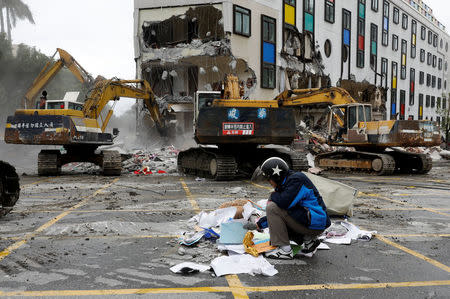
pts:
[215, 218]
[353, 233]
[244, 263]
[199, 267]
[357, 234]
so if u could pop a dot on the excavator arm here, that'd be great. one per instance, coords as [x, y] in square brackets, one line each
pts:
[330, 96]
[111, 90]
[49, 72]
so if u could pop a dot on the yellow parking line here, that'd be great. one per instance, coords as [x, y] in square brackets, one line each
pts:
[46, 225]
[347, 286]
[191, 198]
[259, 186]
[415, 235]
[236, 286]
[233, 280]
[331, 286]
[414, 253]
[36, 182]
[401, 203]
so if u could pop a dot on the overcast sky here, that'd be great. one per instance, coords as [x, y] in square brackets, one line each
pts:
[99, 33]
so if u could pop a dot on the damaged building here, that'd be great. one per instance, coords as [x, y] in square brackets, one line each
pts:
[185, 46]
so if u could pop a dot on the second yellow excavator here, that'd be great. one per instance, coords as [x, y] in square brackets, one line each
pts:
[79, 128]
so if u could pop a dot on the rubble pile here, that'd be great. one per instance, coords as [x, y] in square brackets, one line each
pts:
[147, 162]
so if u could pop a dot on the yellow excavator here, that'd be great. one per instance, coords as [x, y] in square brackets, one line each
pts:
[50, 70]
[350, 124]
[79, 128]
[239, 130]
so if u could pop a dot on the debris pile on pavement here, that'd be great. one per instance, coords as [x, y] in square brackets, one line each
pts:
[147, 162]
[140, 161]
[229, 240]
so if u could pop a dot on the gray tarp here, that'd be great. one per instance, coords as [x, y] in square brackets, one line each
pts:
[338, 197]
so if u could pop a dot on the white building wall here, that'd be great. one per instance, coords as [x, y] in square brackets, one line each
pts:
[249, 48]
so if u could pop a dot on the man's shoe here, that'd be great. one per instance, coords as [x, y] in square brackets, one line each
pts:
[279, 253]
[311, 245]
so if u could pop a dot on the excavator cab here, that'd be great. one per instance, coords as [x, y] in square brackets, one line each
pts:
[204, 99]
[347, 123]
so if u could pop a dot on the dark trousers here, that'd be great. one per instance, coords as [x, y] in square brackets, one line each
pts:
[284, 228]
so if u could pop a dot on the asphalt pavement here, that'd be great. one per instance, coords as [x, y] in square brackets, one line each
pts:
[84, 236]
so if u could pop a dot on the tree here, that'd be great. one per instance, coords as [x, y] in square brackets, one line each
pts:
[15, 9]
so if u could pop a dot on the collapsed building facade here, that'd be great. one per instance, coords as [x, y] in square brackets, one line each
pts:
[184, 46]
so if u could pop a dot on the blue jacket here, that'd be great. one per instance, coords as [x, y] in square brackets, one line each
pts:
[298, 195]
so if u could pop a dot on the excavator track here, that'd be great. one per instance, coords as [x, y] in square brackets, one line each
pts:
[9, 187]
[208, 163]
[406, 162]
[111, 163]
[49, 162]
[223, 165]
[372, 163]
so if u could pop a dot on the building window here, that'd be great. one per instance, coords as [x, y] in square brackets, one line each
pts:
[268, 48]
[434, 61]
[329, 11]
[440, 64]
[394, 42]
[427, 101]
[435, 41]
[327, 48]
[290, 13]
[403, 62]
[308, 15]
[361, 33]
[375, 5]
[385, 35]
[412, 87]
[242, 20]
[360, 59]
[346, 40]
[430, 37]
[396, 16]
[384, 71]
[429, 58]
[444, 103]
[422, 55]
[433, 82]
[421, 78]
[442, 43]
[404, 21]
[413, 38]
[439, 83]
[394, 90]
[433, 101]
[420, 112]
[309, 6]
[402, 104]
[428, 80]
[373, 47]
[446, 47]
[423, 33]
